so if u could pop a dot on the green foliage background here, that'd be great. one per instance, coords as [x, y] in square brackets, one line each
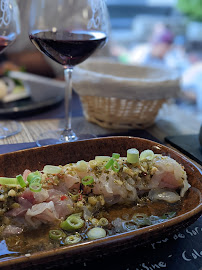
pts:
[191, 8]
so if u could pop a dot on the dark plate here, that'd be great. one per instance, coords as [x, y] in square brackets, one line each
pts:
[44, 93]
[188, 145]
[14, 163]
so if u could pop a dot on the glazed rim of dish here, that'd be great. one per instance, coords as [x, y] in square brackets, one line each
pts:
[121, 238]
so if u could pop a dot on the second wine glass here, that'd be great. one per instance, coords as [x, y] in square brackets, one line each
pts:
[67, 31]
[9, 30]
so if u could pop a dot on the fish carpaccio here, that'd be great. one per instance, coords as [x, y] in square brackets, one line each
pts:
[86, 187]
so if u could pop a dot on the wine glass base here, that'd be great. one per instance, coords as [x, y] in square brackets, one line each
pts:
[9, 128]
[60, 136]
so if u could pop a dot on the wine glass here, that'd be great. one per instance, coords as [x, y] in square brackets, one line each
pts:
[67, 31]
[9, 30]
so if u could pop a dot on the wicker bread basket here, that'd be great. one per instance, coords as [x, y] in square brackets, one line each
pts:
[119, 96]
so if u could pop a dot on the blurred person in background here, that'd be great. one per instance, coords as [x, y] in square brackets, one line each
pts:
[178, 57]
[155, 50]
[192, 86]
[162, 49]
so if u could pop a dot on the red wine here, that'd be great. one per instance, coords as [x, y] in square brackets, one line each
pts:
[4, 42]
[68, 48]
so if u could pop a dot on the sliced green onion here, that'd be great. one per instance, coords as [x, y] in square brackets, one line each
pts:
[94, 221]
[168, 215]
[93, 163]
[132, 155]
[82, 165]
[141, 219]
[116, 155]
[35, 179]
[109, 163]
[12, 182]
[34, 176]
[55, 234]
[96, 233]
[129, 225]
[74, 197]
[155, 219]
[35, 187]
[73, 222]
[21, 180]
[102, 222]
[52, 169]
[79, 214]
[147, 155]
[139, 215]
[100, 159]
[87, 180]
[115, 166]
[73, 239]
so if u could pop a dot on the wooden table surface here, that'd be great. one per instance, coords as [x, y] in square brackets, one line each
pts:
[171, 120]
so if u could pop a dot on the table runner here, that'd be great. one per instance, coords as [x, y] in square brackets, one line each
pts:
[6, 148]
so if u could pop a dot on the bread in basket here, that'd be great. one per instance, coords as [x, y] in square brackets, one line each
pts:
[120, 96]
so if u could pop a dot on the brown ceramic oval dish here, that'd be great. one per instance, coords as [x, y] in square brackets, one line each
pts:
[14, 163]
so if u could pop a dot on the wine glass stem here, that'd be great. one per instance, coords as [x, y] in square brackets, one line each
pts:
[68, 98]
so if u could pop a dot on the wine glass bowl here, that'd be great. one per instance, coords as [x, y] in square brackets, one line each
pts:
[68, 32]
[68, 48]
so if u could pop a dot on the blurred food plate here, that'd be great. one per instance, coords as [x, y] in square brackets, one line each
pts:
[12, 89]
[23, 92]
